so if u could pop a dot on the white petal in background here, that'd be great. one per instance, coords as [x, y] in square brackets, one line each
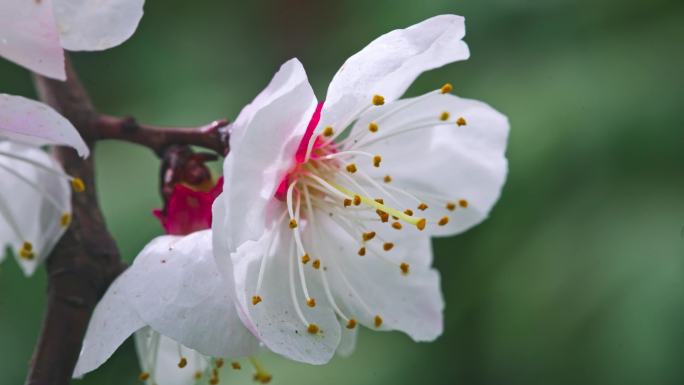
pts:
[389, 64]
[174, 287]
[35, 199]
[30, 38]
[177, 289]
[30, 122]
[94, 25]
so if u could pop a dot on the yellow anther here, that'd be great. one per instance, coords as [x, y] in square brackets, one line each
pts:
[408, 212]
[422, 207]
[443, 221]
[362, 251]
[65, 220]
[77, 185]
[198, 375]
[380, 200]
[387, 179]
[461, 121]
[421, 224]
[377, 321]
[351, 168]
[373, 127]
[446, 88]
[347, 202]
[261, 374]
[396, 225]
[378, 100]
[310, 302]
[263, 378]
[351, 324]
[328, 132]
[236, 365]
[219, 362]
[214, 380]
[316, 264]
[182, 363]
[305, 259]
[312, 328]
[384, 217]
[404, 268]
[376, 160]
[143, 376]
[293, 223]
[368, 236]
[357, 200]
[256, 299]
[463, 203]
[444, 116]
[26, 251]
[451, 206]
[387, 246]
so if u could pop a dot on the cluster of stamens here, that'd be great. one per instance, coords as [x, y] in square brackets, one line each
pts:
[331, 180]
[205, 367]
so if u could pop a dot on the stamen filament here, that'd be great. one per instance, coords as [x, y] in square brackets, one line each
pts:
[324, 278]
[37, 164]
[267, 253]
[302, 251]
[293, 295]
[7, 214]
[35, 186]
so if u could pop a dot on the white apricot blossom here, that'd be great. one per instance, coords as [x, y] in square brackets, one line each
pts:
[328, 207]
[33, 33]
[177, 304]
[35, 193]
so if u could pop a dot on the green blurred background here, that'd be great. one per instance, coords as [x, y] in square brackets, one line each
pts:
[577, 277]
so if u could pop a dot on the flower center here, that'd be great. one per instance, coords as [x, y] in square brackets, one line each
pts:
[337, 178]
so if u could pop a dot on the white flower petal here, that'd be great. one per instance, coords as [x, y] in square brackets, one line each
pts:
[177, 289]
[267, 135]
[168, 353]
[32, 202]
[389, 64]
[274, 320]
[87, 25]
[113, 321]
[456, 162]
[30, 122]
[30, 38]
[373, 285]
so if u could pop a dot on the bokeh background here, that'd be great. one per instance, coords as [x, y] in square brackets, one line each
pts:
[577, 277]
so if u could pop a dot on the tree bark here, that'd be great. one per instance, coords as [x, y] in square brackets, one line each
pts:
[86, 260]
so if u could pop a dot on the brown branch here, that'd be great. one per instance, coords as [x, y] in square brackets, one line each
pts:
[213, 136]
[86, 259]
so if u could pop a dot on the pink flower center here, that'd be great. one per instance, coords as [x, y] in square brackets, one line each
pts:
[300, 155]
